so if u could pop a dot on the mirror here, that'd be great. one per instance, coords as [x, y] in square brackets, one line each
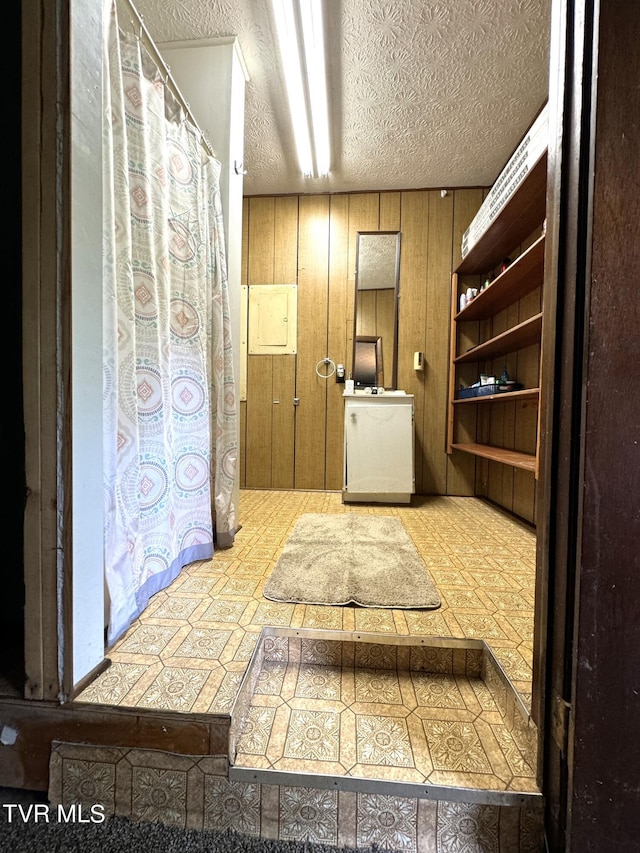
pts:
[376, 309]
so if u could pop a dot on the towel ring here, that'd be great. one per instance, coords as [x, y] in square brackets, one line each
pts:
[328, 374]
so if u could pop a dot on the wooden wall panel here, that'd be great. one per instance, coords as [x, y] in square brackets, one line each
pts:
[259, 429]
[436, 347]
[242, 454]
[524, 495]
[389, 217]
[244, 262]
[259, 408]
[339, 334]
[270, 229]
[260, 263]
[244, 275]
[313, 280]
[412, 312]
[285, 240]
[283, 421]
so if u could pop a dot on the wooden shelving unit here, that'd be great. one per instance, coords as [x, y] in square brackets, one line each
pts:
[522, 335]
[521, 217]
[518, 218]
[514, 458]
[523, 394]
[519, 279]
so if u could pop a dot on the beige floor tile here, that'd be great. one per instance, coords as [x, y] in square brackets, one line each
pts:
[315, 681]
[378, 686]
[191, 647]
[112, 686]
[455, 745]
[313, 735]
[308, 815]
[175, 689]
[222, 702]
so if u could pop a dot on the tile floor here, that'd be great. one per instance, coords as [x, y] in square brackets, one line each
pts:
[195, 792]
[403, 711]
[189, 650]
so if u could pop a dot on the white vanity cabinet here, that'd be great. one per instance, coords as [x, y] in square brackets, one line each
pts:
[378, 448]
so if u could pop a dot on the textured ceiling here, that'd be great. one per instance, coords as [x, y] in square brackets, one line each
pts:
[422, 93]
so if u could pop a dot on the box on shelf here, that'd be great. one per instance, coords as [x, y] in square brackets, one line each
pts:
[522, 160]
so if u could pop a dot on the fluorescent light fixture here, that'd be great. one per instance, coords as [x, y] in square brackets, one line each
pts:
[304, 66]
[313, 41]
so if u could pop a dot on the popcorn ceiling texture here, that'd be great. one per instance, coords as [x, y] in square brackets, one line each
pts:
[422, 93]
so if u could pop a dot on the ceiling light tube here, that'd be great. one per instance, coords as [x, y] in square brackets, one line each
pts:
[290, 56]
[315, 64]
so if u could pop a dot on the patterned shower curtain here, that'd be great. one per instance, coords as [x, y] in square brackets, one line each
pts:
[169, 399]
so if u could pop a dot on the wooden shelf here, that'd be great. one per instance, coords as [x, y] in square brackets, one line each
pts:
[517, 223]
[514, 458]
[520, 216]
[518, 337]
[520, 278]
[503, 397]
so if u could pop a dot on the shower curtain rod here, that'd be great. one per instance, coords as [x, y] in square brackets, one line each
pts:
[169, 80]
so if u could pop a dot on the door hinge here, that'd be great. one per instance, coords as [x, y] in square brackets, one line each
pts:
[560, 710]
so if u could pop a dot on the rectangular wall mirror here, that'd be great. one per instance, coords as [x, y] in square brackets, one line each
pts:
[376, 309]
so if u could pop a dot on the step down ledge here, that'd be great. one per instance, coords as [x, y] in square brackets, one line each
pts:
[449, 657]
[359, 785]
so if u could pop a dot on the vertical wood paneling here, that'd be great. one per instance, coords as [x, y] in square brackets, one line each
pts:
[244, 274]
[285, 249]
[339, 333]
[242, 455]
[389, 219]
[285, 271]
[494, 483]
[364, 215]
[283, 421]
[413, 310]
[259, 430]
[260, 263]
[244, 262]
[41, 88]
[509, 427]
[313, 282]
[260, 270]
[436, 344]
[524, 495]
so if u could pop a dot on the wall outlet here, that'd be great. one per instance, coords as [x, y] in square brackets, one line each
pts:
[418, 361]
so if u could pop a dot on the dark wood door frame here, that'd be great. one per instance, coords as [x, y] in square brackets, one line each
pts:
[588, 598]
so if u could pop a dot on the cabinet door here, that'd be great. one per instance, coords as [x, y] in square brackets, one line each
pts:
[379, 445]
